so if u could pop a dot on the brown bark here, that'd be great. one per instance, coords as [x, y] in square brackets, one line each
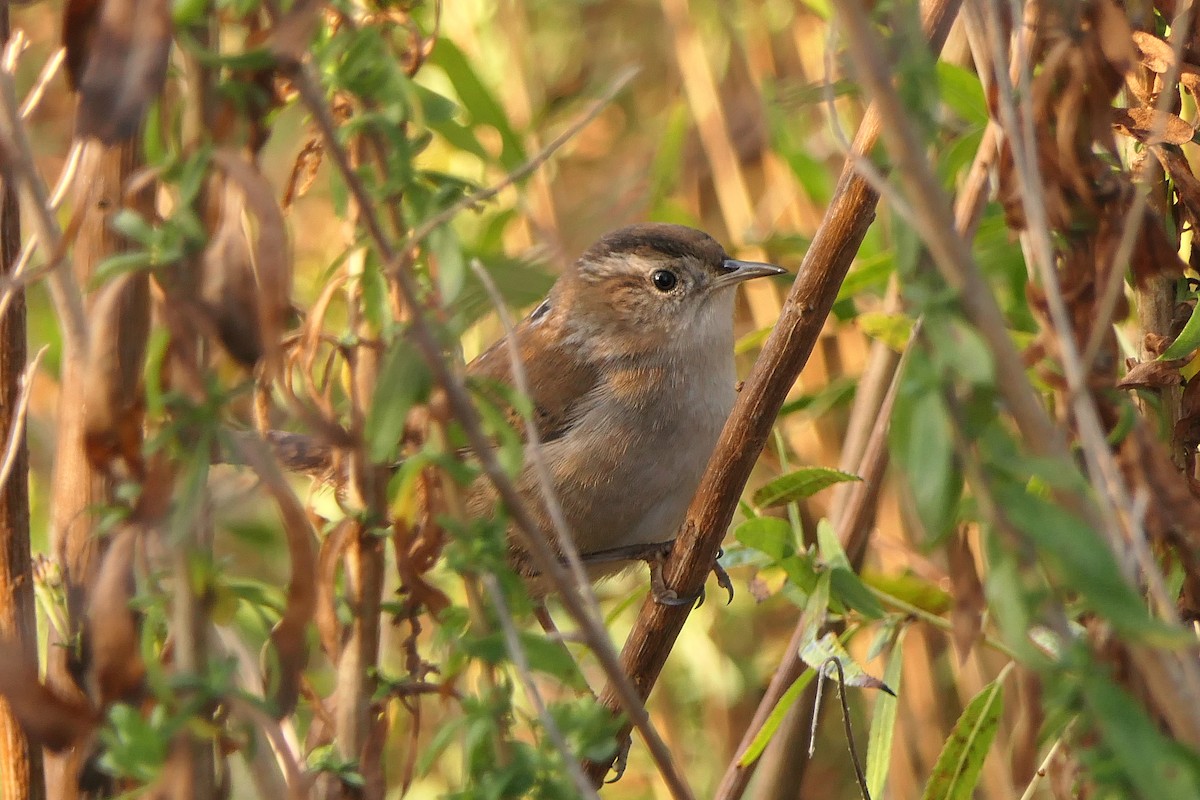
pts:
[20, 762]
[78, 488]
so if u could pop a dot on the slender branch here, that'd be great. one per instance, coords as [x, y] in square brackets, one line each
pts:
[18, 164]
[585, 614]
[16, 432]
[517, 652]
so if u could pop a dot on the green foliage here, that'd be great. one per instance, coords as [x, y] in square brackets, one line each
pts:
[961, 760]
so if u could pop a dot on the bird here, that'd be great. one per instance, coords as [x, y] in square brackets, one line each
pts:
[629, 366]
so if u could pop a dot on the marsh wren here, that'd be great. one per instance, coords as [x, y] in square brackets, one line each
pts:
[629, 363]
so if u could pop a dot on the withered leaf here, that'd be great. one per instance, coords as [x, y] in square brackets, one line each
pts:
[1154, 255]
[969, 601]
[112, 627]
[117, 61]
[1152, 375]
[1115, 36]
[229, 290]
[1187, 186]
[1151, 126]
[50, 717]
[272, 256]
[330, 556]
[1156, 55]
[112, 383]
[288, 639]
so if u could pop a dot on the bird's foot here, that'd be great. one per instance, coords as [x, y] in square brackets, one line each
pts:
[664, 595]
[622, 759]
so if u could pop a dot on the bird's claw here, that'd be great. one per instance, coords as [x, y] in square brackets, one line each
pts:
[622, 760]
[666, 596]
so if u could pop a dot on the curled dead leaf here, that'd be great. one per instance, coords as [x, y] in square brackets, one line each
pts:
[1151, 126]
[272, 255]
[113, 630]
[330, 556]
[117, 61]
[1114, 36]
[1155, 54]
[1152, 375]
[112, 383]
[288, 639]
[228, 290]
[50, 717]
[969, 602]
[1187, 185]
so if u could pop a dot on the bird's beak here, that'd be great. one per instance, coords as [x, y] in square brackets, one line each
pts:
[734, 271]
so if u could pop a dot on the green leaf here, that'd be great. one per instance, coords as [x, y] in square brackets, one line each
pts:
[403, 381]
[883, 725]
[1083, 563]
[819, 651]
[451, 265]
[1187, 340]
[798, 485]
[957, 769]
[775, 718]
[478, 100]
[923, 444]
[770, 535]
[962, 92]
[1155, 765]
[844, 584]
[891, 329]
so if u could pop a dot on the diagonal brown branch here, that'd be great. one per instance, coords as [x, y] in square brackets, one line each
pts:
[783, 357]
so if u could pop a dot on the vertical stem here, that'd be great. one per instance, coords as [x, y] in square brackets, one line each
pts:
[77, 488]
[20, 762]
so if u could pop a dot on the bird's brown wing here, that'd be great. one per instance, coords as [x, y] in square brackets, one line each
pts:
[559, 381]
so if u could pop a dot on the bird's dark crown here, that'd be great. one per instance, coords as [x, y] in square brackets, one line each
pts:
[671, 241]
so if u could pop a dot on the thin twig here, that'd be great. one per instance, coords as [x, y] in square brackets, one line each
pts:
[1032, 786]
[520, 173]
[517, 652]
[841, 682]
[533, 443]
[17, 432]
[585, 614]
[19, 278]
[17, 159]
[34, 97]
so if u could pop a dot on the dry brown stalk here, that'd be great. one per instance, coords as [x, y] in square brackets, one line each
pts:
[20, 760]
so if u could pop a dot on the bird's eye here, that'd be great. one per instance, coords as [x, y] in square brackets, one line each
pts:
[664, 280]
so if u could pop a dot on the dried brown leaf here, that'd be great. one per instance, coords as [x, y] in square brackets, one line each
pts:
[117, 61]
[1114, 35]
[1155, 255]
[330, 556]
[1152, 375]
[969, 601]
[1151, 126]
[1187, 185]
[272, 256]
[113, 401]
[229, 291]
[113, 633]
[288, 638]
[1156, 55]
[50, 717]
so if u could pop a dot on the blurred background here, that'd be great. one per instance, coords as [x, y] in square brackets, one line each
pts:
[730, 125]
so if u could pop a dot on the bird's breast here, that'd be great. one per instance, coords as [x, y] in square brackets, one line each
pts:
[627, 471]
